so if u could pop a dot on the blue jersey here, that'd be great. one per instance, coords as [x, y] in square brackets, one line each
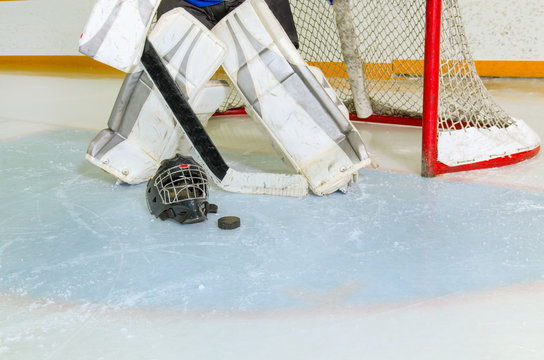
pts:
[204, 3]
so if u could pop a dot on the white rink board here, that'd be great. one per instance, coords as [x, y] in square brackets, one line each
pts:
[505, 31]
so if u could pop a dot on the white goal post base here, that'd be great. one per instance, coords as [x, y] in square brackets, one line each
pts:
[472, 145]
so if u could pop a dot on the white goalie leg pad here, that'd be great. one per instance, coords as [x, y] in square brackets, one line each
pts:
[116, 31]
[224, 176]
[141, 130]
[300, 110]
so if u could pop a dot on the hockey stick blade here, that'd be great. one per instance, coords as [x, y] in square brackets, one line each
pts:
[223, 175]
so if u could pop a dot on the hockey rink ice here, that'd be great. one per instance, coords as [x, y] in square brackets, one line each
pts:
[400, 267]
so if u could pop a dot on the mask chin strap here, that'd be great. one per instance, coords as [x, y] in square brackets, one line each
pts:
[197, 214]
[183, 218]
[167, 214]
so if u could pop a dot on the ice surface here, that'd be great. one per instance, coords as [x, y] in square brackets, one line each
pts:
[70, 233]
[399, 268]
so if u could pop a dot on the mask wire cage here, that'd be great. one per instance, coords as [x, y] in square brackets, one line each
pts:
[182, 183]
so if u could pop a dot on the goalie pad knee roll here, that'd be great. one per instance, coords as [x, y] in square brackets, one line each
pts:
[297, 106]
[141, 130]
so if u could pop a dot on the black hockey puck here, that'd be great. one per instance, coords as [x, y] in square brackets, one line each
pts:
[228, 222]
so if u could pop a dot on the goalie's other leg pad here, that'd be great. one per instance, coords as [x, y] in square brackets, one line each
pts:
[142, 131]
[301, 112]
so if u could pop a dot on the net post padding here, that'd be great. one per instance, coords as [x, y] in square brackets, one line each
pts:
[352, 60]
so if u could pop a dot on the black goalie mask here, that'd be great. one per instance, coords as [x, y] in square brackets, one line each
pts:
[179, 190]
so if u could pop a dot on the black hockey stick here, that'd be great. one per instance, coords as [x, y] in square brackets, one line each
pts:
[226, 177]
[182, 111]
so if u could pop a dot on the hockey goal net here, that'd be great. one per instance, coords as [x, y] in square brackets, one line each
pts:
[415, 68]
